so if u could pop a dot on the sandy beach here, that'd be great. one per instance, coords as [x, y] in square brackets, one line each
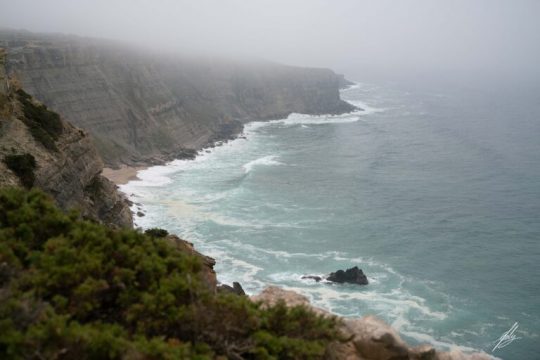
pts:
[123, 175]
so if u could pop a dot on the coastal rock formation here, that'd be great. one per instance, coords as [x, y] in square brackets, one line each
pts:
[39, 149]
[366, 338]
[353, 275]
[142, 109]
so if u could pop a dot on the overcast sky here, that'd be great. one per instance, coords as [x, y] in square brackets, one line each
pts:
[346, 35]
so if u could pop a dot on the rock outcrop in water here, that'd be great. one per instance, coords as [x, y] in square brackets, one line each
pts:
[38, 148]
[145, 109]
[353, 275]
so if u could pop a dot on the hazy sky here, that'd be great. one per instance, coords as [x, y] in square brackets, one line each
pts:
[347, 35]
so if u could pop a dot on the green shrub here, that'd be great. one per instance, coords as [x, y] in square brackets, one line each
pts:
[45, 125]
[23, 166]
[72, 289]
[156, 232]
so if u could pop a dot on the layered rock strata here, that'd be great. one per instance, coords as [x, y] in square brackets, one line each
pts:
[145, 109]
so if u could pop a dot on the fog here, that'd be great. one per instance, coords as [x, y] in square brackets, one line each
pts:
[353, 37]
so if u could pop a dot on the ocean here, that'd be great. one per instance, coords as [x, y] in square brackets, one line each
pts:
[434, 191]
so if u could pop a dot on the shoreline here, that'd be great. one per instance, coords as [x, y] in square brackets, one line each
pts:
[124, 174]
[127, 173]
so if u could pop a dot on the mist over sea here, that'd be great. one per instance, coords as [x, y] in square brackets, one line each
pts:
[433, 190]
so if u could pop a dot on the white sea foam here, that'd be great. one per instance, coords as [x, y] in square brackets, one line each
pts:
[305, 119]
[159, 176]
[354, 86]
[423, 337]
[265, 160]
[396, 302]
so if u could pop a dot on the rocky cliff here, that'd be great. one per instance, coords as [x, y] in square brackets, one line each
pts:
[144, 109]
[38, 148]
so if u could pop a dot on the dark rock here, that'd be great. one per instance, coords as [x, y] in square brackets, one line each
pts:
[352, 276]
[238, 288]
[140, 214]
[313, 277]
[235, 289]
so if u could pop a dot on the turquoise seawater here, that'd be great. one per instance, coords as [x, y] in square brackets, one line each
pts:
[434, 192]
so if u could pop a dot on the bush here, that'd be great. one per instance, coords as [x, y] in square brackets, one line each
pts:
[156, 232]
[45, 125]
[23, 166]
[72, 289]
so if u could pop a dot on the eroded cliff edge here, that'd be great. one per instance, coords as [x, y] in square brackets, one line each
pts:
[145, 109]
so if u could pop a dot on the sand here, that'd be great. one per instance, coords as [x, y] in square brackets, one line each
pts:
[123, 175]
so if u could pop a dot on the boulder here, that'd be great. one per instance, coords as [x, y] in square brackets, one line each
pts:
[353, 275]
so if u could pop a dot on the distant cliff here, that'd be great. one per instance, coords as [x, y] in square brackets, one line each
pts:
[146, 109]
[38, 148]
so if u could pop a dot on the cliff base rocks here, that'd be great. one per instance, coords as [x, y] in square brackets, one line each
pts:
[367, 338]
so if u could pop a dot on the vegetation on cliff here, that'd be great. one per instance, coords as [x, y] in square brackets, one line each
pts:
[73, 289]
[23, 166]
[45, 125]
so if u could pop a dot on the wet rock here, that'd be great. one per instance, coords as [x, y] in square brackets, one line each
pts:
[140, 214]
[312, 277]
[353, 275]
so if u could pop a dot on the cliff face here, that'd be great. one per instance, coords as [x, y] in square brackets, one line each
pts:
[64, 162]
[146, 109]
